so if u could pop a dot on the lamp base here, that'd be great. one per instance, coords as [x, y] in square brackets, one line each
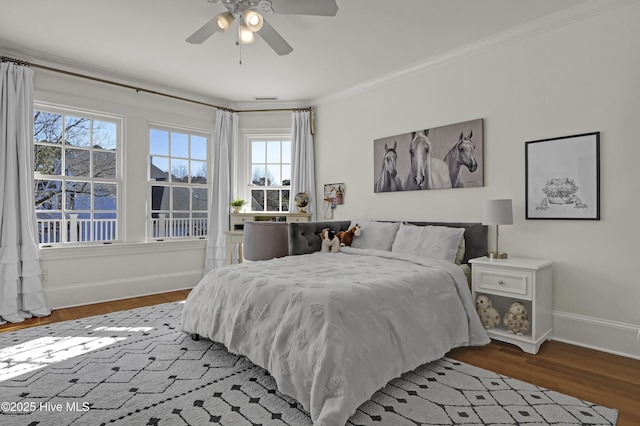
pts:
[497, 255]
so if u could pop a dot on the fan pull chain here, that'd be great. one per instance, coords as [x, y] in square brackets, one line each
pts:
[239, 45]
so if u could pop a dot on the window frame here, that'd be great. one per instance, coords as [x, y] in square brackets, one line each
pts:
[155, 224]
[65, 221]
[247, 185]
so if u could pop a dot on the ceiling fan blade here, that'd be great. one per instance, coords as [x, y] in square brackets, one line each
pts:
[274, 39]
[305, 7]
[204, 32]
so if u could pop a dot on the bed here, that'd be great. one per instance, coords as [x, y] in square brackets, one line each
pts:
[334, 328]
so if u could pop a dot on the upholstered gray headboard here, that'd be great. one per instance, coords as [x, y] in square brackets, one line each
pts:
[304, 237]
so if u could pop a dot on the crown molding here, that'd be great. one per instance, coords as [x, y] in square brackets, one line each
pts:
[560, 19]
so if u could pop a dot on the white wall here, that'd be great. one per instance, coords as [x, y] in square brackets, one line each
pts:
[576, 79]
[84, 275]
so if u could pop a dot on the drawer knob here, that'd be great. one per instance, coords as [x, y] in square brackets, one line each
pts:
[500, 282]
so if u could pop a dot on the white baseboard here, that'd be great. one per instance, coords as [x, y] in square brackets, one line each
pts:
[106, 291]
[603, 335]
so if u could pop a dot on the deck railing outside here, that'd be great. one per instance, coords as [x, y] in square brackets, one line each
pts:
[54, 231]
[162, 227]
[71, 230]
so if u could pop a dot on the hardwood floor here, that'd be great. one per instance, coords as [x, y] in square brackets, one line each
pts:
[605, 379]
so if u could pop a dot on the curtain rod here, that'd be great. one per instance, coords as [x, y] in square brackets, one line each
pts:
[141, 89]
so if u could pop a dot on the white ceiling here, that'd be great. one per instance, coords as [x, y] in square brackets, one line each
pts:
[143, 42]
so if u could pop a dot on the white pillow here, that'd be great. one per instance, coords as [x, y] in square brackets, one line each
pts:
[433, 242]
[375, 235]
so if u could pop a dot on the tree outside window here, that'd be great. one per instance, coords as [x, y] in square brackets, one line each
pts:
[76, 177]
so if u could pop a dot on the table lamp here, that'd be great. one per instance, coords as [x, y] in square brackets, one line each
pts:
[497, 212]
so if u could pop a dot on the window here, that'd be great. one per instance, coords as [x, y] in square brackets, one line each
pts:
[179, 187]
[270, 174]
[76, 176]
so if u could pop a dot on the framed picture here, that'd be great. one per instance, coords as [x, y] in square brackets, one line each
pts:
[563, 177]
[436, 158]
[334, 193]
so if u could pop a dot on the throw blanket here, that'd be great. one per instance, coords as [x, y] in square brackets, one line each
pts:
[334, 328]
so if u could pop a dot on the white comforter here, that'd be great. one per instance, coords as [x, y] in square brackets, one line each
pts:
[334, 328]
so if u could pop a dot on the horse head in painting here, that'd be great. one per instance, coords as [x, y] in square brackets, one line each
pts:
[427, 172]
[462, 153]
[388, 179]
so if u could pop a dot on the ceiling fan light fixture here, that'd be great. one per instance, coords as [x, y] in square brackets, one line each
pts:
[252, 19]
[246, 35]
[224, 21]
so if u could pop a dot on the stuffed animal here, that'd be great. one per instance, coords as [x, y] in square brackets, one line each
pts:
[489, 316]
[517, 320]
[346, 237]
[330, 241]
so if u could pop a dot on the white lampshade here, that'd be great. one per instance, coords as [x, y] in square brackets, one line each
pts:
[252, 19]
[224, 21]
[497, 212]
[246, 35]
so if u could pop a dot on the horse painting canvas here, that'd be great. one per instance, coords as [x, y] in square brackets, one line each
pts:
[435, 158]
[388, 179]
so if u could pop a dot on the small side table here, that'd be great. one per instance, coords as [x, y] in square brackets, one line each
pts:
[233, 237]
[517, 279]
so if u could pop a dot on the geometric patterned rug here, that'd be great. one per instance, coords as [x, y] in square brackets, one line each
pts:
[137, 368]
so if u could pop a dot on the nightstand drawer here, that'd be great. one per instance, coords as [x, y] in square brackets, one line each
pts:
[297, 219]
[503, 281]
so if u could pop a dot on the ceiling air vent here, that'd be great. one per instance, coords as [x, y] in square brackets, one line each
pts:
[266, 98]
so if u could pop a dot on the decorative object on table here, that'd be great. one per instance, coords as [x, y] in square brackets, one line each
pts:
[516, 319]
[440, 157]
[563, 177]
[330, 242]
[237, 204]
[346, 237]
[302, 201]
[497, 212]
[489, 316]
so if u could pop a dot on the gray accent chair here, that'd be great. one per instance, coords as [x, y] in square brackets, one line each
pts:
[265, 240]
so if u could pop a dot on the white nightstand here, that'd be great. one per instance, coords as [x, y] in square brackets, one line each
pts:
[517, 279]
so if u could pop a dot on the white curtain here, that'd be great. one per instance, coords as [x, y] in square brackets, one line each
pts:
[224, 186]
[303, 178]
[21, 293]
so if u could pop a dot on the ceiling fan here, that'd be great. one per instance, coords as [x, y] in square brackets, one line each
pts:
[249, 14]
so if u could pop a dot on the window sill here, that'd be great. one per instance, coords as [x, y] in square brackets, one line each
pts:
[120, 249]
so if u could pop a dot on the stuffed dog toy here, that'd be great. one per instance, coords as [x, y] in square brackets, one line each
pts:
[330, 241]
